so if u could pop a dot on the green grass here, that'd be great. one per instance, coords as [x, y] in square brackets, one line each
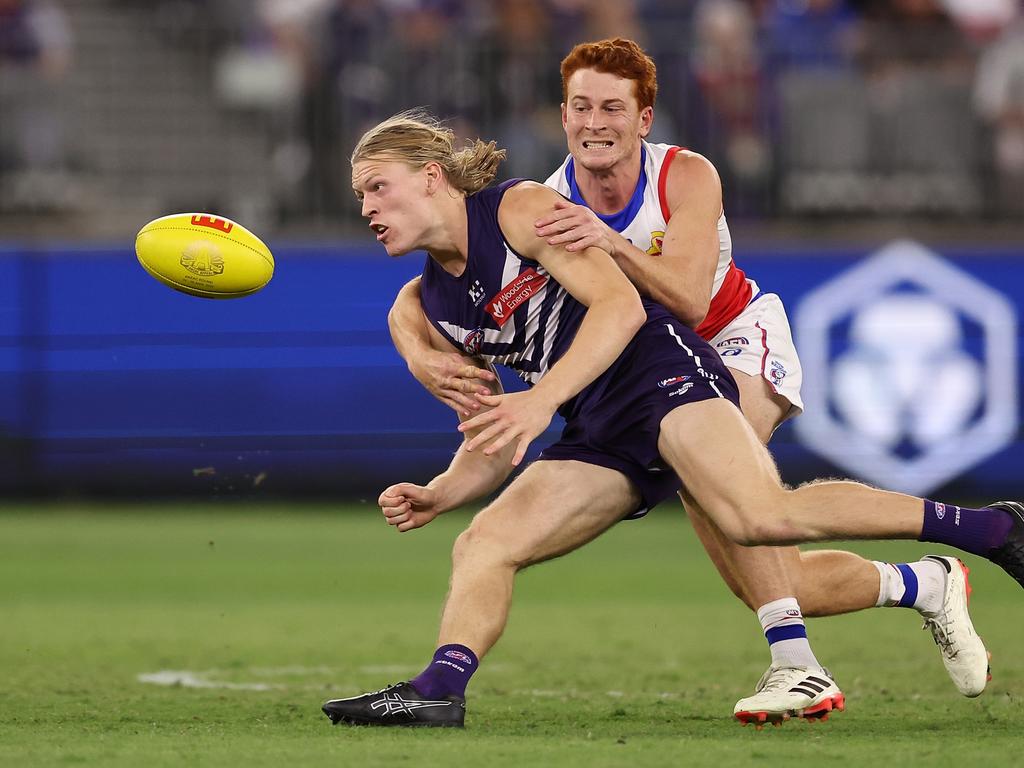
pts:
[630, 652]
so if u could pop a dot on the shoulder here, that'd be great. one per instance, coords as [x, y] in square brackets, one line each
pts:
[524, 203]
[691, 178]
[521, 206]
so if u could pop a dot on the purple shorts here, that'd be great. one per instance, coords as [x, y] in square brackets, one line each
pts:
[615, 422]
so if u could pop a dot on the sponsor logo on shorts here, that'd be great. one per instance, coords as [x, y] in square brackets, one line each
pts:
[777, 372]
[733, 342]
[682, 390]
[664, 383]
[476, 293]
[459, 656]
[956, 519]
[940, 510]
[514, 295]
[657, 241]
[473, 341]
[731, 352]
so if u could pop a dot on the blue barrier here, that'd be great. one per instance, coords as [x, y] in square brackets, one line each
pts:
[110, 382]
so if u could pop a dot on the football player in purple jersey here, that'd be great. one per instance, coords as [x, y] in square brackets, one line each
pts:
[657, 209]
[650, 409]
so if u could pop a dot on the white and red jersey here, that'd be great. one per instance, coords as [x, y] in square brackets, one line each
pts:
[643, 222]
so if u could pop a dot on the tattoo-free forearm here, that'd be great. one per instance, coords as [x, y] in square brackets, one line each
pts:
[408, 324]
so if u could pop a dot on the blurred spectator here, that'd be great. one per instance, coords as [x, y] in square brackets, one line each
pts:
[999, 100]
[982, 20]
[728, 112]
[35, 54]
[522, 87]
[287, 70]
[811, 34]
[906, 35]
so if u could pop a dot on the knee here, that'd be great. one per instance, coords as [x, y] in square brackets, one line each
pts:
[757, 524]
[478, 544]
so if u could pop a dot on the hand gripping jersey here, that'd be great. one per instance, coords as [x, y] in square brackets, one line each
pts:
[643, 222]
[508, 310]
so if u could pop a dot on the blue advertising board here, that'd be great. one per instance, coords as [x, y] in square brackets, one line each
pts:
[111, 382]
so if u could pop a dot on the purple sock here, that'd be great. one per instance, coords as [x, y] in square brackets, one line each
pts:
[447, 674]
[977, 531]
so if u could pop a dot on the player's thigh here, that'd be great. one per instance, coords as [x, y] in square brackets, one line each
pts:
[762, 407]
[722, 464]
[552, 508]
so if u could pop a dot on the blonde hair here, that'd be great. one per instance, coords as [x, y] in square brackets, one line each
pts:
[417, 138]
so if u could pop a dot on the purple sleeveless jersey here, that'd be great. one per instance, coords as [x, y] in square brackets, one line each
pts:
[508, 310]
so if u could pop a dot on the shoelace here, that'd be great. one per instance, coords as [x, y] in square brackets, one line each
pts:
[773, 680]
[942, 635]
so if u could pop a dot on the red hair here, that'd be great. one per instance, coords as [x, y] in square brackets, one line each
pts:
[618, 56]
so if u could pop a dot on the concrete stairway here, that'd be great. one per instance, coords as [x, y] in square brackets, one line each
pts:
[147, 127]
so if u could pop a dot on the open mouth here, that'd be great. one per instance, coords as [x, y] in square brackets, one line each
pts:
[380, 230]
[597, 144]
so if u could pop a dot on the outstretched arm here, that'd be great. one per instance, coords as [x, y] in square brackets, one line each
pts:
[451, 377]
[470, 475]
[682, 276]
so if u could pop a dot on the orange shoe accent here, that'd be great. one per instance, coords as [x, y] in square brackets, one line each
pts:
[967, 581]
[760, 718]
[821, 711]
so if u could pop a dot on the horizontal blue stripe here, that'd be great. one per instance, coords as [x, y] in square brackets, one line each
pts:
[787, 632]
[909, 586]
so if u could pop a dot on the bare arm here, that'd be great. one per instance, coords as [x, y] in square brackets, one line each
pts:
[614, 314]
[682, 277]
[470, 475]
[449, 376]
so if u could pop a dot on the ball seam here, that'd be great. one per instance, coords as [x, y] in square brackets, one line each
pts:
[212, 234]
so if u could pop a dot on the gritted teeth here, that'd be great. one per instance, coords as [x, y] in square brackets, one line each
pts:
[596, 144]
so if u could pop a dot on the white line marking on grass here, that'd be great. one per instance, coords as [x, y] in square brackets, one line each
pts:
[188, 679]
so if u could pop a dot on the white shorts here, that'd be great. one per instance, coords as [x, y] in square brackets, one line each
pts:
[758, 342]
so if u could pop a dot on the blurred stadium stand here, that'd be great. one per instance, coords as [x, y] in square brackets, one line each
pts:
[836, 125]
[115, 111]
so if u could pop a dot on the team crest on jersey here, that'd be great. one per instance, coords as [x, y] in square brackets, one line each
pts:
[473, 342]
[514, 295]
[674, 380]
[657, 240]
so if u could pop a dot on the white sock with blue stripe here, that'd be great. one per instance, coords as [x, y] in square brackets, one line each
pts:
[784, 628]
[919, 585]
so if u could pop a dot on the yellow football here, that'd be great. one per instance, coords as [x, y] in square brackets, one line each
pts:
[204, 255]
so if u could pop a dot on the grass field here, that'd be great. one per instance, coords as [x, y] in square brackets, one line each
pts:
[630, 652]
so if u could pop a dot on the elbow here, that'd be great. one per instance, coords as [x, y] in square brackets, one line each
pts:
[692, 312]
[633, 314]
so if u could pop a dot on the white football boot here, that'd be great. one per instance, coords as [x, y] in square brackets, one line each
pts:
[785, 692]
[963, 652]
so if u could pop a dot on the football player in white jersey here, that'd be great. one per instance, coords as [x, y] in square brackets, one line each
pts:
[657, 210]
